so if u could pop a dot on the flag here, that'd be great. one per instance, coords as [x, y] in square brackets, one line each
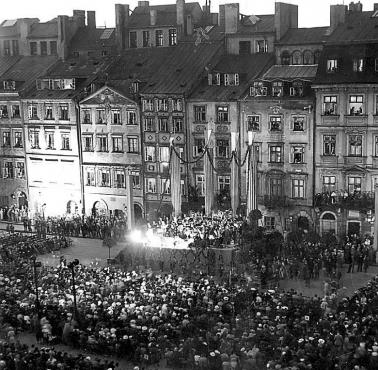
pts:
[175, 181]
[234, 191]
[252, 180]
[129, 201]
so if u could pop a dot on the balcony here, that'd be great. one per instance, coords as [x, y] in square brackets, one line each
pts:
[343, 199]
[330, 119]
[274, 201]
[356, 120]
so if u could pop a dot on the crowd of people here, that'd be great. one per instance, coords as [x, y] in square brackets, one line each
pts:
[13, 213]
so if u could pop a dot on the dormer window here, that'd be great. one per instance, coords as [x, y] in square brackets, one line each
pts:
[56, 84]
[296, 89]
[277, 88]
[231, 79]
[332, 65]
[261, 46]
[9, 85]
[358, 65]
[214, 79]
[258, 89]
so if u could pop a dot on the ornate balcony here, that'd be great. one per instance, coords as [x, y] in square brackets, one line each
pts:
[342, 199]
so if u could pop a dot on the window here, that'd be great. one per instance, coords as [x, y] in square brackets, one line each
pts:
[222, 113]
[8, 170]
[63, 112]
[275, 187]
[253, 122]
[9, 85]
[102, 143]
[172, 37]
[16, 111]
[231, 79]
[133, 144]
[269, 223]
[214, 79]
[104, 177]
[297, 154]
[308, 57]
[116, 117]
[15, 47]
[285, 58]
[53, 48]
[49, 112]
[200, 185]
[43, 45]
[376, 65]
[178, 125]
[223, 183]
[183, 187]
[146, 39]
[329, 144]
[261, 46]
[49, 139]
[165, 186]
[329, 105]
[133, 39]
[117, 143]
[296, 89]
[88, 143]
[358, 65]
[296, 57]
[164, 154]
[148, 105]
[33, 112]
[134, 87]
[150, 185]
[149, 153]
[223, 148]
[135, 179]
[258, 89]
[298, 188]
[159, 38]
[177, 105]
[163, 124]
[275, 123]
[332, 65]
[3, 111]
[20, 170]
[7, 49]
[277, 89]
[90, 177]
[354, 185]
[86, 114]
[162, 105]
[149, 124]
[355, 145]
[200, 113]
[356, 105]
[6, 139]
[275, 153]
[298, 123]
[199, 147]
[131, 117]
[65, 137]
[33, 48]
[329, 183]
[18, 139]
[100, 116]
[376, 146]
[34, 138]
[244, 47]
[119, 178]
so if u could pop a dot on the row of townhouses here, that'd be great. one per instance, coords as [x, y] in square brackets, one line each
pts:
[83, 107]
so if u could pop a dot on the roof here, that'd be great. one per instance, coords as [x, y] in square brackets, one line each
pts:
[291, 72]
[6, 63]
[299, 36]
[44, 30]
[181, 68]
[259, 24]
[166, 15]
[9, 28]
[87, 38]
[247, 66]
[358, 26]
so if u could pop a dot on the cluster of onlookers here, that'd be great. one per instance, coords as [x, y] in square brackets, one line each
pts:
[13, 213]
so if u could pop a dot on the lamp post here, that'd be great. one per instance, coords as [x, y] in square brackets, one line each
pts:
[72, 266]
[36, 264]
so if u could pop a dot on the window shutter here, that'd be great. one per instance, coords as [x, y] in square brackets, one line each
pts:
[292, 154]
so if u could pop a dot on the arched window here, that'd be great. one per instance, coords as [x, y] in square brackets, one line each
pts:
[285, 58]
[308, 57]
[328, 223]
[316, 56]
[296, 57]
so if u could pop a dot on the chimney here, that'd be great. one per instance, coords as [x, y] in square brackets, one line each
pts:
[189, 25]
[79, 17]
[355, 7]
[121, 23]
[143, 3]
[24, 29]
[91, 19]
[285, 17]
[180, 13]
[375, 7]
[62, 36]
[222, 16]
[231, 18]
[153, 16]
[337, 16]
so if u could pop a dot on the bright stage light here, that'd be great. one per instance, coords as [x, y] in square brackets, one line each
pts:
[136, 236]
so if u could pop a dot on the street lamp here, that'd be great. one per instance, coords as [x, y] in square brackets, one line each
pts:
[72, 266]
[36, 264]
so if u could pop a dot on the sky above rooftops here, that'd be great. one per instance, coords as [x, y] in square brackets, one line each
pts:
[311, 13]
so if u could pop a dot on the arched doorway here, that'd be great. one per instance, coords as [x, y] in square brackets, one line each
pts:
[138, 212]
[100, 208]
[303, 223]
[328, 223]
[22, 200]
[72, 207]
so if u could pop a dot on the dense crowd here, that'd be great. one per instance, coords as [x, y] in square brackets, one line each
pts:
[13, 213]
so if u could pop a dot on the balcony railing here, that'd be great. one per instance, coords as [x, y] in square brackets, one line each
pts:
[345, 200]
[275, 201]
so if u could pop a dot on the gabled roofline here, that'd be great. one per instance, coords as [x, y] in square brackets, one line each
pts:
[102, 89]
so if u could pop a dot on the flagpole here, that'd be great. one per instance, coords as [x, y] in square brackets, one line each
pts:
[234, 176]
[129, 200]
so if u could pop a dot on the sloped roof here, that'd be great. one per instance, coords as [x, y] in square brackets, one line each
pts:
[44, 30]
[264, 24]
[89, 38]
[298, 36]
[166, 15]
[6, 63]
[247, 66]
[291, 72]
